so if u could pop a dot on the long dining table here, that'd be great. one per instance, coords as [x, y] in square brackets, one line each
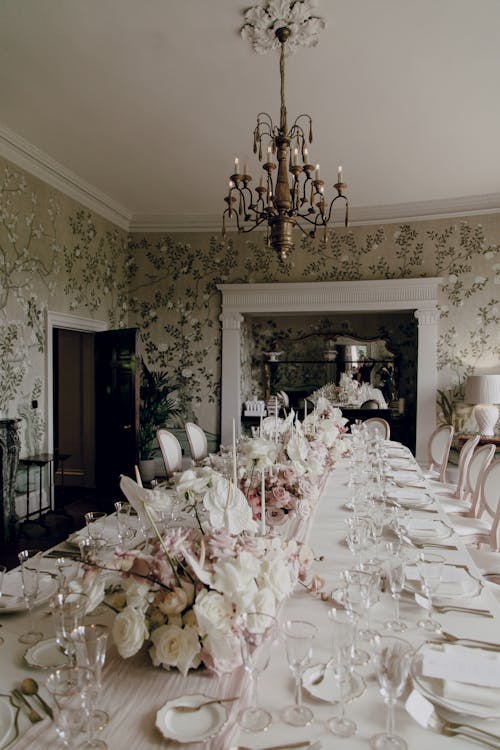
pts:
[134, 690]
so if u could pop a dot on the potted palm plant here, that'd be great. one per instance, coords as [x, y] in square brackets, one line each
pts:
[157, 406]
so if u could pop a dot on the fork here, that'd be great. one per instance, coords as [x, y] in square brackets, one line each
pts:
[488, 645]
[193, 709]
[308, 744]
[466, 610]
[452, 728]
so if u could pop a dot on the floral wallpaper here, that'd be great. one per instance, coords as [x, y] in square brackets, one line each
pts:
[55, 254]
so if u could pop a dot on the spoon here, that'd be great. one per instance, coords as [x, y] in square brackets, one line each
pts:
[319, 679]
[30, 687]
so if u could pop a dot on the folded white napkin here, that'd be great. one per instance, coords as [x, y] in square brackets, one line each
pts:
[408, 495]
[417, 528]
[107, 531]
[409, 478]
[403, 463]
[454, 581]
[468, 675]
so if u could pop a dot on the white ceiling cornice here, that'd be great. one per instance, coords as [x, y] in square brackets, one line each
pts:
[30, 158]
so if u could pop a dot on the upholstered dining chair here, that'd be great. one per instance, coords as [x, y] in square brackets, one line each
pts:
[170, 450]
[197, 441]
[488, 559]
[469, 505]
[378, 426]
[439, 450]
[370, 404]
[457, 490]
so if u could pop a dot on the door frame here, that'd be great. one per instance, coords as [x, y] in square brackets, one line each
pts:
[71, 323]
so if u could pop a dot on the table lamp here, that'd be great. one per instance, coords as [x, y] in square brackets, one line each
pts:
[484, 392]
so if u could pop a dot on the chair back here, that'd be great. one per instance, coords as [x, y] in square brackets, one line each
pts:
[378, 426]
[439, 449]
[370, 404]
[463, 465]
[197, 441]
[478, 464]
[170, 450]
[490, 497]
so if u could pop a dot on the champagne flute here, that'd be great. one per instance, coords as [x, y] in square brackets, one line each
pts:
[67, 686]
[126, 532]
[3, 570]
[259, 633]
[392, 662]
[29, 560]
[95, 523]
[299, 637]
[356, 584]
[89, 643]
[430, 571]
[68, 612]
[396, 576]
[341, 662]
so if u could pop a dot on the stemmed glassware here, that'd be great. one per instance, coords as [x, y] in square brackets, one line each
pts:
[68, 612]
[89, 643]
[396, 576]
[430, 571]
[357, 535]
[356, 592]
[29, 560]
[3, 571]
[299, 637]
[67, 686]
[95, 523]
[259, 633]
[126, 532]
[341, 663]
[392, 662]
[67, 570]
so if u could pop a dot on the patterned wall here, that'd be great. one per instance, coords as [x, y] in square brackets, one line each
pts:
[57, 255]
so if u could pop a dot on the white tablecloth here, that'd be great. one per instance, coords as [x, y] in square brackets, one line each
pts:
[134, 690]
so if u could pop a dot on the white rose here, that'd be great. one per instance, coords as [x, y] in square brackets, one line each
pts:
[138, 594]
[174, 646]
[275, 575]
[212, 612]
[129, 631]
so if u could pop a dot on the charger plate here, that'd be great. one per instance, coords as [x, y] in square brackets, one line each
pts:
[431, 688]
[328, 689]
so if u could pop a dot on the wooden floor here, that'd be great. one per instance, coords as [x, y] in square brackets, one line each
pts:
[53, 527]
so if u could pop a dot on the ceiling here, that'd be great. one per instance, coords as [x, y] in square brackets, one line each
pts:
[139, 107]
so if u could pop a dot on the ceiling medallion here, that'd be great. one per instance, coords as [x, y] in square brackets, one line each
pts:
[296, 197]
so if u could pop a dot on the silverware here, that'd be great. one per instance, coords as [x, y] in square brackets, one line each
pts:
[192, 709]
[30, 687]
[421, 545]
[450, 638]
[306, 743]
[33, 715]
[465, 610]
[451, 728]
[319, 679]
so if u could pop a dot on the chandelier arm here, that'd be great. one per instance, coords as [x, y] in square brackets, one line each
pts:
[330, 210]
[298, 127]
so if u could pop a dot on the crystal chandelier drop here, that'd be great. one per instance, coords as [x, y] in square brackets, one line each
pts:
[294, 195]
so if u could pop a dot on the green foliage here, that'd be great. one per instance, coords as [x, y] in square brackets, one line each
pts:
[157, 406]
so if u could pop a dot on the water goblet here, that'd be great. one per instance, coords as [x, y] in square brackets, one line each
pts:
[259, 633]
[124, 521]
[392, 662]
[3, 570]
[67, 686]
[299, 637]
[341, 662]
[29, 560]
[396, 576]
[89, 643]
[95, 523]
[430, 572]
[68, 570]
[68, 612]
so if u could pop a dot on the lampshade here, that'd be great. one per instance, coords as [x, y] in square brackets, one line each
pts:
[482, 389]
[484, 392]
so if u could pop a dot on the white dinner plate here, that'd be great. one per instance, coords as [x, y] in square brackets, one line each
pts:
[12, 599]
[198, 726]
[427, 530]
[410, 498]
[432, 688]
[8, 728]
[45, 654]
[464, 587]
[328, 689]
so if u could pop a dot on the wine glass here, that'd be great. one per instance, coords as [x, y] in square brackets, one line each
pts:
[95, 523]
[430, 571]
[396, 576]
[29, 560]
[299, 637]
[67, 570]
[259, 633]
[357, 535]
[392, 662]
[126, 530]
[89, 643]
[341, 662]
[68, 612]
[67, 686]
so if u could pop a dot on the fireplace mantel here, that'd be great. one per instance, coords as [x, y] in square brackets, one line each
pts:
[302, 298]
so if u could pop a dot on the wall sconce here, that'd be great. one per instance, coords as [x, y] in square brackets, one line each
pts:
[484, 392]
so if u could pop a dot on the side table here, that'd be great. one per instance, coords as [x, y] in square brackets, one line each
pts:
[40, 460]
[483, 440]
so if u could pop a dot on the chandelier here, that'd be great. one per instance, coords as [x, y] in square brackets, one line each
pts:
[290, 192]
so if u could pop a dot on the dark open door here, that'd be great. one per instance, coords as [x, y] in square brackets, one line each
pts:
[117, 381]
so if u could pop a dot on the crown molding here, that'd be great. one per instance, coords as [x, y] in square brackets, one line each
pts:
[30, 158]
